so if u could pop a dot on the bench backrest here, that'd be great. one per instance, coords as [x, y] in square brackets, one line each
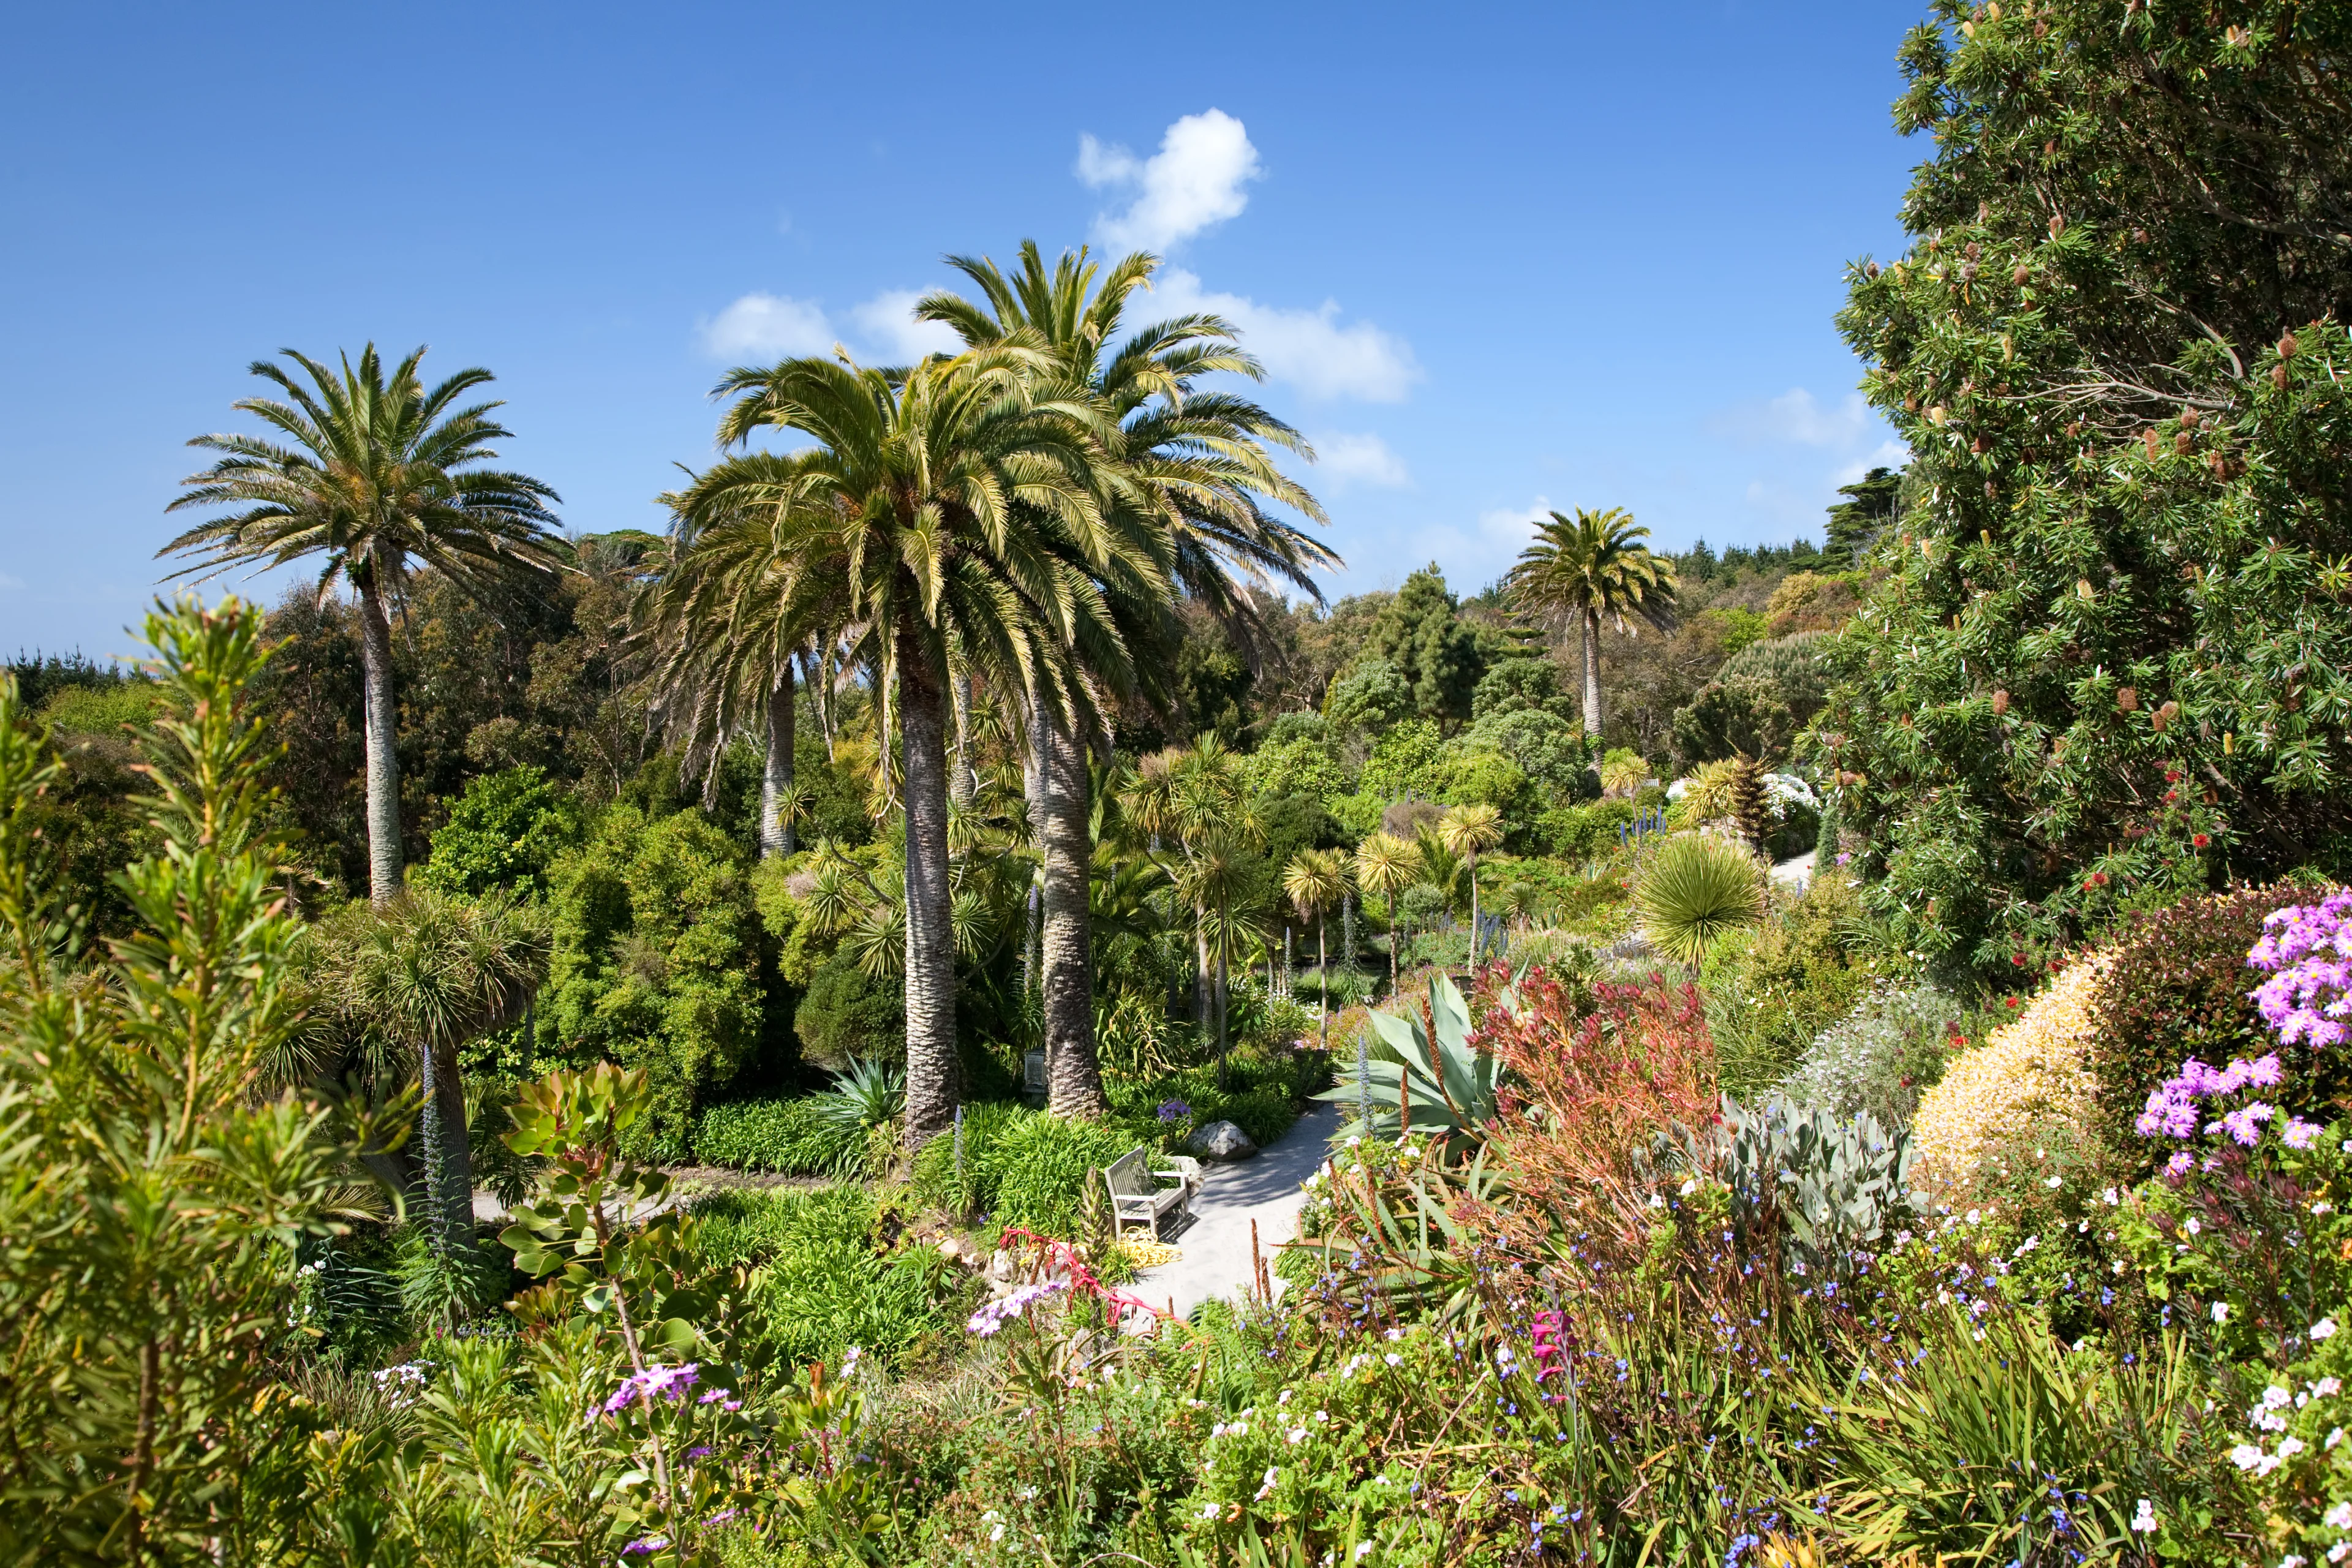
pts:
[1130, 1175]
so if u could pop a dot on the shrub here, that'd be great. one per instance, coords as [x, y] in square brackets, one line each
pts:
[1021, 1166]
[848, 1016]
[794, 1137]
[1772, 987]
[824, 1283]
[1583, 832]
[1697, 889]
[1756, 705]
[505, 831]
[1881, 1056]
[2179, 988]
[2028, 1069]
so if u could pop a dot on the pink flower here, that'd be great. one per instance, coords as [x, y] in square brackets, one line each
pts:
[2298, 1133]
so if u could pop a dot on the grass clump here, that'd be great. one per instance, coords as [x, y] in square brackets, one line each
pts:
[831, 1272]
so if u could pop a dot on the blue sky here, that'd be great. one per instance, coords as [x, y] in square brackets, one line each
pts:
[1495, 257]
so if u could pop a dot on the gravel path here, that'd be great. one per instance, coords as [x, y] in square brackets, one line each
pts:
[1216, 1241]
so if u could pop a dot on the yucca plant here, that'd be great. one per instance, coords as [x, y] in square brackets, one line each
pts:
[864, 1100]
[1698, 889]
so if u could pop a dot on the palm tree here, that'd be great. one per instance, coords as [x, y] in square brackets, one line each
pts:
[1193, 797]
[1385, 867]
[727, 618]
[1465, 830]
[1587, 568]
[379, 472]
[1315, 881]
[409, 982]
[1193, 464]
[944, 509]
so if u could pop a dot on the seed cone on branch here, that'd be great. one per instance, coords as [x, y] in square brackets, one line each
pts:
[1749, 808]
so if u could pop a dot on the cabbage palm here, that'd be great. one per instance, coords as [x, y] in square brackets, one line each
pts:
[1466, 830]
[376, 472]
[1315, 881]
[942, 507]
[1589, 567]
[408, 983]
[1386, 865]
[1196, 465]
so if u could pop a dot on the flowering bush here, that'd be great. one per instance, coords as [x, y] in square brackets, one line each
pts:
[2028, 1069]
[2175, 989]
[2304, 950]
[1882, 1056]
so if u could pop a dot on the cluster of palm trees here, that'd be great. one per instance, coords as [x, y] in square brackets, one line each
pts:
[999, 536]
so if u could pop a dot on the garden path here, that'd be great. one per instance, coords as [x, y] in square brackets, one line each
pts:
[1796, 872]
[1215, 1242]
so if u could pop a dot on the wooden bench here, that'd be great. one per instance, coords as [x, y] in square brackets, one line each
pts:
[1137, 1197]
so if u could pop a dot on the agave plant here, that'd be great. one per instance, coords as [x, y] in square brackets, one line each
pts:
[1423, 1079]
[860, 1112]
[1698, 889]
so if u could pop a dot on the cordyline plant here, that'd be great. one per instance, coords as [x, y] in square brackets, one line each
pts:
[2106, 653]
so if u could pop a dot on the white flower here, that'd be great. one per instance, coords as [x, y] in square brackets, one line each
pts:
[1363, 1549]
[2339, 1517]
[1690, 1186]
[1208, 1510]
[1282, 1398]
[1393, 1335]
[2334, 1438]
[2326, 1386]
[1321, 1417]
[2340, 1551]
[2323, 1330]
[1657, 1201]
[1295, 1436]
[2028, 1245]
[2194, 1226]
[2110, 1197]
[2292, 1559]
[2274, 1398]
[2245, 1456]
[2269, 1421]
[995, 1534]
[1265, 1488]
[1974, 1214]
[2323, 1206]
[2220, 1311]
[2052, 1181]
[2144, 1521]
[2290, 1446]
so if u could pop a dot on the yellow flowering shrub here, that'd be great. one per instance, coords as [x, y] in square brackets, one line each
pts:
[2034, 1067]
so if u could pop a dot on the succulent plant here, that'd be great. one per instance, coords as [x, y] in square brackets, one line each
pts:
[1428, 1080]
[1836, 1183]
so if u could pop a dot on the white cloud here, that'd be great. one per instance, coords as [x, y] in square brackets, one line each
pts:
[767, 326]
[1888, 455]
[1359, 459]
[1796, 417]
[1512, 528]
[1193, 181]
[10, 585]
[1308, 348]
[888, 320]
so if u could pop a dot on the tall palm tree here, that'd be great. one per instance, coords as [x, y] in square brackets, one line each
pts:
[727, 618]
[1194, 464]
[1315, 881]
[1589, 567]
[944, 508]
[375, 472]
[1386, 865]
[1192, 800]
[1466, 830]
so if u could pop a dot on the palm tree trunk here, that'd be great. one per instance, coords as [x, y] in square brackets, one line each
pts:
[1592, 674]
[959, 780]
[1201, 966]
[382, 721]
[1065, 837]
[934, 1080]
[776, 781]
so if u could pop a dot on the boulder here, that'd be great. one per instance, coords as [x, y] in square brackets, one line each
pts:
[1221, 1141]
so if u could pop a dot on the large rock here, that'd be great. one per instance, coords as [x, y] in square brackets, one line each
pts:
[1221, 1141]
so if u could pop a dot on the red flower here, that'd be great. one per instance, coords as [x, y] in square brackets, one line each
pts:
[2009, 1002]
[2172, 775]
[2095, 879]
[2199, 839]
[2018, 959]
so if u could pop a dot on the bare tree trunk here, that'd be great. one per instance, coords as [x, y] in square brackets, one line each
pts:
[776, 781]
[1201, 987]
[1059, 813]
[1592, 674]
[934, 1078]
[1322, 985]
[383, 726]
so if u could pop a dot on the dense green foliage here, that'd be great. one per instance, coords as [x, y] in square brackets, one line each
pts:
[2104, 660]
